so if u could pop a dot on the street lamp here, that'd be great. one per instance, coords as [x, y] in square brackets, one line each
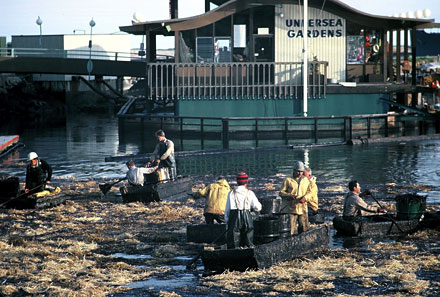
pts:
[39, 22]
[90, 63]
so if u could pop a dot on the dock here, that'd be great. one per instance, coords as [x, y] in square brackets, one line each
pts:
[8, 144]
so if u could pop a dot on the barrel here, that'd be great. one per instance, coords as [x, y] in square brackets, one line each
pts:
[410, 206]
[9, 186]
[266, 229]
[270, 205]
[284, 219]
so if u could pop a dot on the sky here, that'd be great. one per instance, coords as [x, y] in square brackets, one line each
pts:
[18, 17]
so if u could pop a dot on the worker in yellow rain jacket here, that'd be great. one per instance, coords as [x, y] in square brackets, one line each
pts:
[216, 196]
[294, 197]
[312, 192]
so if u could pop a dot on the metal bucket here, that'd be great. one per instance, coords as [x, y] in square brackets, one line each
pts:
[270, 205]
[410, 206]
[284, 219]
[266, 229]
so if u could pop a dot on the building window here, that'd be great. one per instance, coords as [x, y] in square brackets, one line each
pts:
[222, 49]
[355, 49]
[205, 49]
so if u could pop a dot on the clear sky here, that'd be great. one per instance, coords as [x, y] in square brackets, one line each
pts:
[18, 17]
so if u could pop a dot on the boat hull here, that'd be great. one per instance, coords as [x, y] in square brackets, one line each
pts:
[157, 191]
[377, 225]
[268, 254]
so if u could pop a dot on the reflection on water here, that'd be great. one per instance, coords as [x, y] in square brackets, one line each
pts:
[79, 147]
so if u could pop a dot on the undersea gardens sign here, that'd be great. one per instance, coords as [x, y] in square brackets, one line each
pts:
[317, 28]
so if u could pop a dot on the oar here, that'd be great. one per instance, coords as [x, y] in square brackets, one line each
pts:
[387, 214]
[190, 265]
[106, 187]
[21, 195]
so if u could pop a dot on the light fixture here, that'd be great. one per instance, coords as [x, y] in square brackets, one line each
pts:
[426, 12]
[39, 22]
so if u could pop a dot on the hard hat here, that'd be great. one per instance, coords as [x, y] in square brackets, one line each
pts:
[298, 166]
[32, 155]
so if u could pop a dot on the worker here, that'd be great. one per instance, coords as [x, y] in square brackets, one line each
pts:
[294, 197]
[135, 175]
[38, 174]
[217, 195]
[354, 205]
[164, 154]
[240, 223]
[312, 192]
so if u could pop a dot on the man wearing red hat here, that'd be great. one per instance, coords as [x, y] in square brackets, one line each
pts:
[241, 201]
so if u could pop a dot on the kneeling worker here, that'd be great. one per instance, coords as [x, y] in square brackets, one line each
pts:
[354, 205]
[241, 201]
[216, 201]
[38, 174]
[135, 175]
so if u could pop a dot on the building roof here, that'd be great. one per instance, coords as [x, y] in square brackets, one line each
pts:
[231, 7]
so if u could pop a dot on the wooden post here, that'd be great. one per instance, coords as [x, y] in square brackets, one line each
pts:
[202, 142]
[225, 133]
[368, 127]
[398, 56]
[385, 56]
[316, 130]
[391, 57]
[256, 133]
[181, 133]
[386, 126]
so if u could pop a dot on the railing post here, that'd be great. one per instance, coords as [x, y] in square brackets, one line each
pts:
[316, 130]
[256, 133]
[181, 133]
[116, 56]
[368, 127]
[350, 121]
[386, 126]
[225, 133]
[286, 130]
[202, 142]
[345, 129]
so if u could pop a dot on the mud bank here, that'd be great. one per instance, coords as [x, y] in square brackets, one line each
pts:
[96, 246]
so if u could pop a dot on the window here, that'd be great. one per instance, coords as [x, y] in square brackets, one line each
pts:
[205, 49]
[355, 49]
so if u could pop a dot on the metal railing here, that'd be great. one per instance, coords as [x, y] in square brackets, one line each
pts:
[231, 132]
[70, 54]
[281, 80]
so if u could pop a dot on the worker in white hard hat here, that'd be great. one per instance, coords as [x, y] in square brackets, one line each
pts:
[38, 174]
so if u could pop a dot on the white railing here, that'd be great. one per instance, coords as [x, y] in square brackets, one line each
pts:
[234, 80]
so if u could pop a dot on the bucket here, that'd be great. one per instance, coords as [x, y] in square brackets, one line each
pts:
[270, 205]
[266, 229]
[410, 206]
[284, 219]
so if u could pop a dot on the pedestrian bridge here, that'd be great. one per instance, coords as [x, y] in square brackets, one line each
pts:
[74, 62]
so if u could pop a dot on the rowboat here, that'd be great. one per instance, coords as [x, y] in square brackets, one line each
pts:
[267, 254]
[374, 226]
[156, 191]
[10, 197]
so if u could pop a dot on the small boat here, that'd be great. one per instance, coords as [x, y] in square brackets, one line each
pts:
[206, 233]
[267, 254]
[156, 191]
[374, 226]
[8, 144]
